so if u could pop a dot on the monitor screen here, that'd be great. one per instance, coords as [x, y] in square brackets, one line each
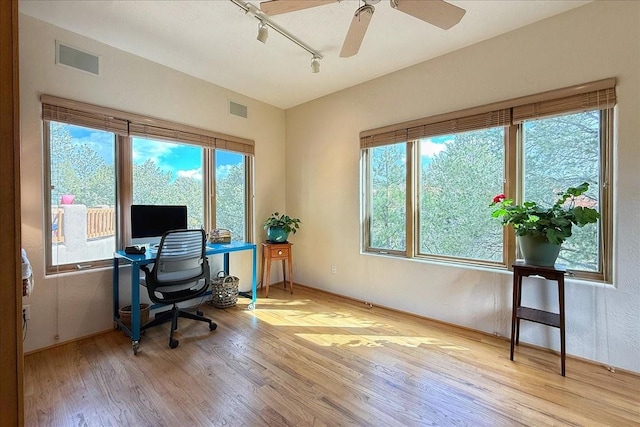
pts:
[150, 222]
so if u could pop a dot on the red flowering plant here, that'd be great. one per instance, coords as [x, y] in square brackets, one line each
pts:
[554, 223]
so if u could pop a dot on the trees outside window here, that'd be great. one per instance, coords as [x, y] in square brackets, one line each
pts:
[231, 192]
[82, 174]
[458, 174]
[82, 182]
[561, 152]
[168, 173]
[455, 177]
[388, 192]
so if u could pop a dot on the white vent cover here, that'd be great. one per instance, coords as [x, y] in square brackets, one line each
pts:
[237, 109]
[78, 59]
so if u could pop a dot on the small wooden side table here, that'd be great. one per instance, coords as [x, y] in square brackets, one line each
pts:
[556, 320]
[275, 252]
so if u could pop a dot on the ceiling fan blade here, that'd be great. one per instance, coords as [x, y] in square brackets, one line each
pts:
[276, 7]
[435, 12]
[357, 30]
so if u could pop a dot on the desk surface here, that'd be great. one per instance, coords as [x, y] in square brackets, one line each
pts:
[211, 249]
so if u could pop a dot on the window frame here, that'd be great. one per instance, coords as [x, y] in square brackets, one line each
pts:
[93, 117]
[598, 95]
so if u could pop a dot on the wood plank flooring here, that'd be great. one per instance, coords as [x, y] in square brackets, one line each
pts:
[313, 359]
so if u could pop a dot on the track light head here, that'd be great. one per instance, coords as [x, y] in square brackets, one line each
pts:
[263, 32]
[315, 64]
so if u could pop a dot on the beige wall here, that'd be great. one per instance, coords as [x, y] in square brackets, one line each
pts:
[322, 161]
[78, 304]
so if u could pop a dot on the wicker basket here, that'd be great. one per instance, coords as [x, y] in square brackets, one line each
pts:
[125, 314]
[224, 290]
[220, 235]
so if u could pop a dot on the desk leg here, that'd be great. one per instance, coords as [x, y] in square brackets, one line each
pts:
[254, 283]
[563, 353]
[135, 307]
[262, 269]
[284, 276]
[116, 289]
[225, 264]
[513, 312]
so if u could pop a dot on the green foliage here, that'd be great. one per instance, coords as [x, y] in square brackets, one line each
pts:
[454, 219]
[454, 187]
[554, 223]
[230, 201]
[79, 170]
[288, 224]
[388, 197]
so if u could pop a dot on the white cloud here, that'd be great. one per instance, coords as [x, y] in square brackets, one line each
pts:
[431, 149]
[193, 174]
[147, 149]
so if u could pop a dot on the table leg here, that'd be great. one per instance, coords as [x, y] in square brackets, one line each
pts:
[513, 311]
[563, 353]
[284, 276]
[290, 262]
[267, 279]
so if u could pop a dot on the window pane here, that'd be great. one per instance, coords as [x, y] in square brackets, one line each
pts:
[459, 175]
[167, 173]
[83, 183]
[230, 193]
[388, 193]
[562, 152]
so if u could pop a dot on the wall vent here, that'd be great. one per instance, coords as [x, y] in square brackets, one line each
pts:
[237, 109]
[78, 59]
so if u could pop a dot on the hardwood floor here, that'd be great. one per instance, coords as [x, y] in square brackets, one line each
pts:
[313, 359]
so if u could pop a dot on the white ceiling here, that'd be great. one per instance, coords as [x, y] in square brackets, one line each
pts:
[216, 41]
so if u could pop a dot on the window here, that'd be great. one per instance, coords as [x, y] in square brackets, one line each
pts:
[435, 204]
[168, 173]
[458, 174]
[231, 193]
[100, 161]
[561, 152]
[82, 182]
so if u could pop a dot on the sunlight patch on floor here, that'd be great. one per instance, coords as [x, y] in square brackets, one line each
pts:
[352, 340]
[292, 317]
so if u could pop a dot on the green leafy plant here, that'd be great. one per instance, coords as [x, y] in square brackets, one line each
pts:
[288, 224]
[554, 223]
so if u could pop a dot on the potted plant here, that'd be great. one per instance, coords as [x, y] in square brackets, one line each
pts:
[541, 230]
[279, 226]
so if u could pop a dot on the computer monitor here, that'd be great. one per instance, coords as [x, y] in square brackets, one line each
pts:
[150, 222]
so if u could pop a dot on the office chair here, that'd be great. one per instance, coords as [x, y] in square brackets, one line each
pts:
[179, 273]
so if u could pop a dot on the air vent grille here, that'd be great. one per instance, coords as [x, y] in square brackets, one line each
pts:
[78, 59]
[237, 109]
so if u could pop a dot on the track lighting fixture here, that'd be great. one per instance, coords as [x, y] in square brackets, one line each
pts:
[315, 64]
[263, 32]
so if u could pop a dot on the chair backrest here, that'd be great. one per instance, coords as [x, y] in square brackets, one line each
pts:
[181, 269]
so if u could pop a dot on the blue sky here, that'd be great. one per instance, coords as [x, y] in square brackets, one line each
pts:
[179, 159]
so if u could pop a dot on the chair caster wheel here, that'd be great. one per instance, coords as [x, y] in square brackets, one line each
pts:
[199, 313]
[174, 343]
[212, 326]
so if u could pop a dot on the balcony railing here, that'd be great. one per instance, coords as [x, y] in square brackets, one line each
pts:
[101, 222]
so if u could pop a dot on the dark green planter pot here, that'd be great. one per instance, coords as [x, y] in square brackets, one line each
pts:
[276, 235]
[538, 251]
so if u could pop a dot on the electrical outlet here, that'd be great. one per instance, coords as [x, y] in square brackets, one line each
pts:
[26, 312]
[334, 269]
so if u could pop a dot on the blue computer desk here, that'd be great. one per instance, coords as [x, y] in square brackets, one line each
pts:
[136, 261]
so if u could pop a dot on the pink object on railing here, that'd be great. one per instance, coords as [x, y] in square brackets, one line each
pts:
[67, 199]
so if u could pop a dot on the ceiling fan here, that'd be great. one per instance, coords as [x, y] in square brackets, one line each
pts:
[436, 12]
